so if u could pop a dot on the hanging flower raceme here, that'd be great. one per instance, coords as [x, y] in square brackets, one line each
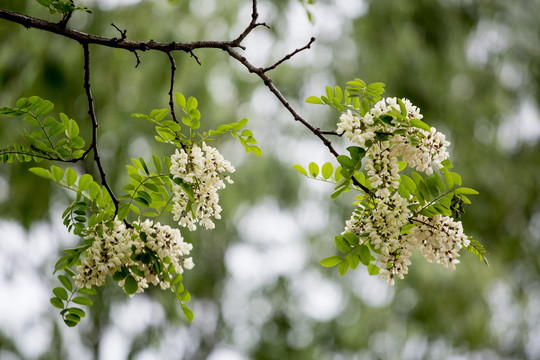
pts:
[200, 171]
[395, 214]
[146, 253]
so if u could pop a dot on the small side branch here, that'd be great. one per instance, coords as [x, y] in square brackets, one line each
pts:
[122, 32]
[95, 125]
[288, 56]
[328, 132]
[171, 89]
[252, 25]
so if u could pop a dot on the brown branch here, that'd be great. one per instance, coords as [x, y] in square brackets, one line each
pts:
[81, 37]
[252, 25]
[171, 89]
[95, 125]
[268, 82]
[288, 56]
[328, 132]
[134, 46]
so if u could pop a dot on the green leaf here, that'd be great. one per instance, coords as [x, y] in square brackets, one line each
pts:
[329, 93]
[256, 150]
[373, 269]
[456, 178]
[45, 108]
[72, 318]
[327, 170]
[81, 300]
[402, 190]
[313, 169]
[130, 285]
[159, 114]
[121, 274]
[346, 161]
[365, 254]
[467, 191]
[180, 100]
[343, 267]
[94, 190]
[420, 124]
[187, 312]
[447, 164]
[66, 282]
[32, 121]
[330, 261]
[72, 129]
[58, 174]
[185, 296]
[192, 103]
[76, 311]
[405, 229]
[342, 244]
[157, 163]
[300, 169]
[41, 172]
[57, 303]
[351, 238]
[71, 176]
[440, 183]
[144, 197]
[60, 293]
[408, 183]
[432, 187]
[357, 153]
[448, 178]
[87, 291]
[66, 321]
[77, 142]
[353, 260]
[314, 100]
[85, 181]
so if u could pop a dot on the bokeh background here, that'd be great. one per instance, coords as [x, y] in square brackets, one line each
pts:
[258, 289]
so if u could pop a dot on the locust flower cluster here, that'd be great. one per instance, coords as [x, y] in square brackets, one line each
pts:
[386, 221]
[195, 199]
[144, 251]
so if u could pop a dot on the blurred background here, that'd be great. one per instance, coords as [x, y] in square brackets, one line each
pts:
[258, 289]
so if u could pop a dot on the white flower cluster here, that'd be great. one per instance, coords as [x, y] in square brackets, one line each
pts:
[431, 147]
[439, 238]
[113, 248]
[201, 170]
[383, 226]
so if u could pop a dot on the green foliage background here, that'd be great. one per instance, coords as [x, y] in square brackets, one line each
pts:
[471, 66]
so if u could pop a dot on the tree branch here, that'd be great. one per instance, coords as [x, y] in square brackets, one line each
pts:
[81, 37]
[95, 125]
[252, 25]
[288, 56]
[227, 46]
[171, 89]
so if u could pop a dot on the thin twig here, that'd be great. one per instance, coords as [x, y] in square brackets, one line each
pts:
[171, 89]
[288, 56]
[195, 57]
[137, 57]
[328, 132]
[252, 25]
[122, 32]
[95, 125]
